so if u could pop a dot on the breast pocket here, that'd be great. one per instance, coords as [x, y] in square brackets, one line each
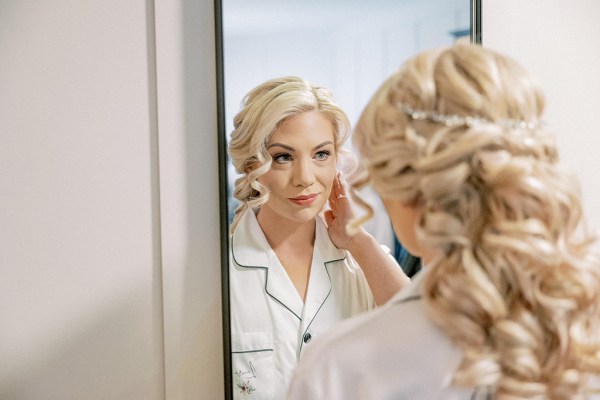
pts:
[252, 360]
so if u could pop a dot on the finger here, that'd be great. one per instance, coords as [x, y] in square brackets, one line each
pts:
[333, 192]
[333, 204]
[332, 197]
[340, 188]
[341, 197]
[329, 217]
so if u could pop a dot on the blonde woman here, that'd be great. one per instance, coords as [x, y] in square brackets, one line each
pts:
[293, 276]
[507, 303]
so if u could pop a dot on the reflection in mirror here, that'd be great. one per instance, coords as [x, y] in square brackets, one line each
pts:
[348, 47]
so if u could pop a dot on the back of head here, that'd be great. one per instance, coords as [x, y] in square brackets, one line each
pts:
[264, 109]
[459, 132]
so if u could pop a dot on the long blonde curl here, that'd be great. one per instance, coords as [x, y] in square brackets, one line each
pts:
[263, 111]
[516, 286]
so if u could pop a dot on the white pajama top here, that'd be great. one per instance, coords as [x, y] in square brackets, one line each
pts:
[270, 324]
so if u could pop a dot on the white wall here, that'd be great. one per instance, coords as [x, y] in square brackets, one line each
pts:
[189, 199]
[86, 261]
[80, 289]
[559, 42]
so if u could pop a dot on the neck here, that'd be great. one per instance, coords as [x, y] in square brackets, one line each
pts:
[282, 232]
[427, 257]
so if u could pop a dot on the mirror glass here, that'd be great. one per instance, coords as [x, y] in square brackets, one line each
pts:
[347, 46]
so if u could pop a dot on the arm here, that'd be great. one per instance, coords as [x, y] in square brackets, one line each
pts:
[383, 273]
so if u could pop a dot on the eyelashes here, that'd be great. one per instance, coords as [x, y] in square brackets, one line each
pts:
[322, 155]
[284, 158]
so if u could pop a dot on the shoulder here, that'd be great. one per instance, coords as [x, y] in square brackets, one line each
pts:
[386, 328]
[401, 348]
[248, 246]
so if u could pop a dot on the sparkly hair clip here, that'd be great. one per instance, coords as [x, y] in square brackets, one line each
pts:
[458, 120]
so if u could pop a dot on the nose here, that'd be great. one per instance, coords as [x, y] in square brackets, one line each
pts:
[304, 175]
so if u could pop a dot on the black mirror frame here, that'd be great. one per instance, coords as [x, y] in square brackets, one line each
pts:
[223, 197]
[475, 37]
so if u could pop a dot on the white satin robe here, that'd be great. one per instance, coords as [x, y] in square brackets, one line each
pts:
[394, 352]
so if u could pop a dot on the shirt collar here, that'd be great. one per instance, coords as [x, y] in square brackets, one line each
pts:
[255, 249]
[329, 252]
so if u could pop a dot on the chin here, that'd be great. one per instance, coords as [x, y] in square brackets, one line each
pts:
[307, 214]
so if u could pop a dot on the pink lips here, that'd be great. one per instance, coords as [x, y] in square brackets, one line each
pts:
[304, 200]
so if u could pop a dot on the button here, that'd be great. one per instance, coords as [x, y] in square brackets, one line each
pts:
[307, 337]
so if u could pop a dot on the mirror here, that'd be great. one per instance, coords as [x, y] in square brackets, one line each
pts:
[347, 46]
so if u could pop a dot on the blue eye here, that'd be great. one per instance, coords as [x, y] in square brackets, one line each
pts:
[282, 158]
[322, 155]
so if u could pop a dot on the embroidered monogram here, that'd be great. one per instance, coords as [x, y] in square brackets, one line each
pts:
[245, 378]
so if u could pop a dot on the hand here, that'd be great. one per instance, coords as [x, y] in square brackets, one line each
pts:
[340, 215]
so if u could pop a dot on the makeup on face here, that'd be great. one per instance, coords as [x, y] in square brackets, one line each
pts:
[303, 167]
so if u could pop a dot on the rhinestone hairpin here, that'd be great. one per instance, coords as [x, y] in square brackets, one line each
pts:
[454, 120]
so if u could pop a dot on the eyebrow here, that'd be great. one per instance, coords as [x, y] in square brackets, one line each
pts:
[290, 148]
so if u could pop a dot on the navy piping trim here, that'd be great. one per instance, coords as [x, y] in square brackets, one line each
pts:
[267, 279]
[324, 300]
[251, 351]
[408, 299]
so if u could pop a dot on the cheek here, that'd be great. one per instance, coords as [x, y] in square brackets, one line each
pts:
[269, 180]
[328, 175]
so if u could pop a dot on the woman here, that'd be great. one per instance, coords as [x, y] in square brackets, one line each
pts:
[507, 303]
[289, 278]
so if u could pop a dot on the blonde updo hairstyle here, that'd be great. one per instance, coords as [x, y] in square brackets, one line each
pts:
[263, 111]
[514, 285]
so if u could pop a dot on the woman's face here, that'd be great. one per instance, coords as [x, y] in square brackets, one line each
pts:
[303, 168]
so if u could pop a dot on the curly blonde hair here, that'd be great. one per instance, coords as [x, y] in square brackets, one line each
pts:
[263, 111]
[516, 286]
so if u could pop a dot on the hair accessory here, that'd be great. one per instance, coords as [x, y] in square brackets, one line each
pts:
[454, 120]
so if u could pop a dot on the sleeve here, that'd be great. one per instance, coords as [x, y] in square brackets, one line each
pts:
[363, 289]
[363, 294]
